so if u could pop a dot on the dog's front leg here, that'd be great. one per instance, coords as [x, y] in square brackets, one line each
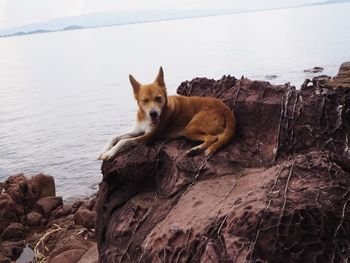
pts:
[123, 145]
[115, 139]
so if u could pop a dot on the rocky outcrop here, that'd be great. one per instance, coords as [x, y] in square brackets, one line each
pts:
[32, 215]
[279, 192]
[343, 77]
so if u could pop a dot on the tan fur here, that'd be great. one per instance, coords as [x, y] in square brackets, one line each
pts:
[204, 119]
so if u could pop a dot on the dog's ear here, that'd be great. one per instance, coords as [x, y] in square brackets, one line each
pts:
[160, 78]
[135, 85]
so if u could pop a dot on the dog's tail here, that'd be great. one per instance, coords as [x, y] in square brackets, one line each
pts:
[226, 135]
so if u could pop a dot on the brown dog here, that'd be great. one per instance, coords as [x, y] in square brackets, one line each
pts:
[203, 119]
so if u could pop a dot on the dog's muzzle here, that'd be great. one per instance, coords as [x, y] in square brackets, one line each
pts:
[154, 116]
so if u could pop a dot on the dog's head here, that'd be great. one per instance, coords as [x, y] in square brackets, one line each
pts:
[151, 98]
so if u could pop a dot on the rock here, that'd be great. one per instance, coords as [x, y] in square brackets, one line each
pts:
[43, 186]
[279, 192]
[34, 219]
[4, 259]
[70, 247]
[56, 237]
[13, 231]
[90, 256]
[62, 211]
[48, 204]
[314, 70]
[11, 249]
[69, 256]
[85, 218]
[7, 211]
[343, 77]
[270, 77]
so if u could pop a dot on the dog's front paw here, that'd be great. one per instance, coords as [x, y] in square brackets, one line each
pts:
[100, 156]
[107, 156]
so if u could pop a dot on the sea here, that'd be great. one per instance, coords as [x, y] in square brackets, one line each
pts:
[63, 94]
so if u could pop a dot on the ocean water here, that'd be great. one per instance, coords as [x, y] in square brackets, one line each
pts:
[62, 95]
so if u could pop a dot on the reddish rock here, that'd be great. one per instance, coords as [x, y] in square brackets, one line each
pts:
[90, 256]
[62, 211]
[11, 249]
[69, 248]
[69, 256]
[279, 192]
[34, 219]
[342, 79]
[4, 259]
[85, 218]
[47, 204]
[43, 186]
[13, 231]
[7, 211]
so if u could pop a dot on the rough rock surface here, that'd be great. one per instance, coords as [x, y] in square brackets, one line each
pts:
[31, 214]
[279, 192]
[343, 77]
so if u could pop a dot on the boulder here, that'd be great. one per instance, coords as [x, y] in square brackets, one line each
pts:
[43, 185]
[62, 211]
[47, 204]
[13, 231]
[279, 192]
[85, 218]
[4, 259]
[68, 256]
[7, 211]
[11, 249]
[34, 219]
[90, 256]
[342, 79]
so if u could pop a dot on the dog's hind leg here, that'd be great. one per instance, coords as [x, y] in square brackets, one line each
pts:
[196, 134]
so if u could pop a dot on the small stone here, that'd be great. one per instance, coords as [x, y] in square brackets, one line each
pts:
[314, 70]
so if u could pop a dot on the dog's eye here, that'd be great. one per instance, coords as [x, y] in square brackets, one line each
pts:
[145, 101]
[159, 99]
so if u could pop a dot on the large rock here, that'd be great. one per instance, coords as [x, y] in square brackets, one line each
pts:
[343, 77]
[85, 218]
[47, 204]
[43, 185]
[8, 212]
[34, 219]
[279, 192]
[13, 231]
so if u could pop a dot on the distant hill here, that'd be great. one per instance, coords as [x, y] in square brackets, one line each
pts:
[109, 19]
[120, 18]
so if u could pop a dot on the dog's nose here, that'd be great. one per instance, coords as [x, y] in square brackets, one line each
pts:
[153, 114]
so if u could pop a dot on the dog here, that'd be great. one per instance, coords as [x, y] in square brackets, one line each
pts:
[204, 119]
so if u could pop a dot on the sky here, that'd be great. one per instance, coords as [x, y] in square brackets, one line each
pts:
[20, 12]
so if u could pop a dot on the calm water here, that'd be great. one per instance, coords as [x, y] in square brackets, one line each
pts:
[63, 94]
